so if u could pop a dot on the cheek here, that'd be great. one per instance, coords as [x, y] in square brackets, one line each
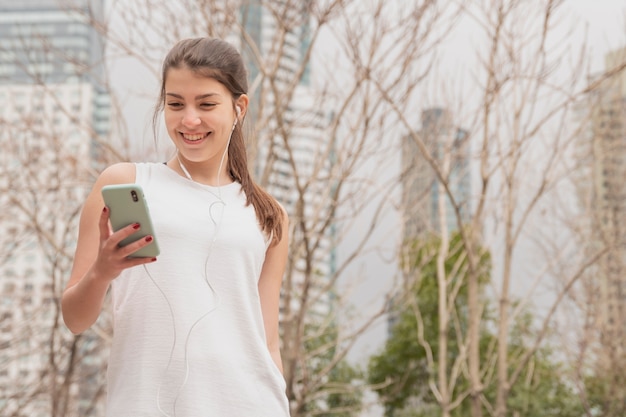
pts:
[170, 120]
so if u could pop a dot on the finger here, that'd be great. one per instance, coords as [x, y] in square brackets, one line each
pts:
[123, 233]
[130, 262]
[133, 247]
[103, 224]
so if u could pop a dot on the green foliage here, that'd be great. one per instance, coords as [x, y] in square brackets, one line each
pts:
[339, 394]
[403, 364]
[606, 387]
[541, 392]
[401, 370]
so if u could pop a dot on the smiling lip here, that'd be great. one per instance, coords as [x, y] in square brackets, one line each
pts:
[194, 137]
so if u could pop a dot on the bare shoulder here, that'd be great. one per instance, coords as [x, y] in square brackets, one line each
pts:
[120, 173]
[284, 220]
[284, 214]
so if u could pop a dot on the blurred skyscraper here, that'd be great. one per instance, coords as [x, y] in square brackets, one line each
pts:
[53, 107]
[293, 158]
[421, 189]
[601, 155]
[52, 45]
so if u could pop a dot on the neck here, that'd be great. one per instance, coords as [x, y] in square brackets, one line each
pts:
[201, 174]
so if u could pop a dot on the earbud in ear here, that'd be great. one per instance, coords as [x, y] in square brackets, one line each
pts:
[238, 109]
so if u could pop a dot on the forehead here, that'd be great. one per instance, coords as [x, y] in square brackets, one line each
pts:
[183, 80]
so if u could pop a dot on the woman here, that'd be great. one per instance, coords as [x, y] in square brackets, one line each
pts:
[196, 331]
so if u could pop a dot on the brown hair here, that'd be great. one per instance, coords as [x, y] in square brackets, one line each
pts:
[219, 60]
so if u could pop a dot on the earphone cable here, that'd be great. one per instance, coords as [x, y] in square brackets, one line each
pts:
[216, 225]
[169, 361]
[217, 301]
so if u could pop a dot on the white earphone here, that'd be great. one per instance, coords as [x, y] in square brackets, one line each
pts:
[236, 118]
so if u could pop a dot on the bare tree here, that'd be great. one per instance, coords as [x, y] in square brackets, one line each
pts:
[45, 175]
[520, 128]
[49, 144]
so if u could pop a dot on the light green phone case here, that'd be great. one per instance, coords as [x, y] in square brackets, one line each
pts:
[127, 205]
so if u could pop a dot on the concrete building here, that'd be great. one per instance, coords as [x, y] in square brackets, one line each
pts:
[424, 197]
[53, 110]
[293, 156]
[601, 156]
[422, 191]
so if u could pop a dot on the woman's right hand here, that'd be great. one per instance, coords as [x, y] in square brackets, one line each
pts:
[98, 259]
[112, 258]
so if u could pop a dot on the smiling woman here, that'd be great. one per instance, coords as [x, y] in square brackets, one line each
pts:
[201, 125]
[196, 331]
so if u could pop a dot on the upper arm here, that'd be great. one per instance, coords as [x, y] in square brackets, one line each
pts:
[270, 283]
[88, 232]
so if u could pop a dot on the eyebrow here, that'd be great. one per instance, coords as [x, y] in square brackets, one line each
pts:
[200, 97]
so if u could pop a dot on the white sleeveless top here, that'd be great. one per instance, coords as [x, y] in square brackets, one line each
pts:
[189, 339]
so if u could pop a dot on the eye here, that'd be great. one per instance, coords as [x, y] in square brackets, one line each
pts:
[174, 105]
[207, 105]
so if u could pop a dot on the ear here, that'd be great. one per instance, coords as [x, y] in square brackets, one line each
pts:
[241, 106]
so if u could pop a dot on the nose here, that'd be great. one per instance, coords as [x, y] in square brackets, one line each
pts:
[191, 118]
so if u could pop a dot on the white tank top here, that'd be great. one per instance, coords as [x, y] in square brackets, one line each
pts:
[189, 339]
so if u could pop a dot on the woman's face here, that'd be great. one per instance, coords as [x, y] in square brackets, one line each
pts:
[199, 115]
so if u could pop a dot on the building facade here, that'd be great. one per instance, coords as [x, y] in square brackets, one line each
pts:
[426, 206]
[54, 113]
[424, 197]
[601, 159]
[292, 155]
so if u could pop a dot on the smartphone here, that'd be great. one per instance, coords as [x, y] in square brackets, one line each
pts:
[127, 205]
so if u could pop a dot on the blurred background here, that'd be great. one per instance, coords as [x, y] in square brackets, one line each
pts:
[454, 172]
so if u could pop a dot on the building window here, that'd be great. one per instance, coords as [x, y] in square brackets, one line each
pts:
[7, 69]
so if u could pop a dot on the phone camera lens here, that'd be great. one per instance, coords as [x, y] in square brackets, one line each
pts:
[133, 194]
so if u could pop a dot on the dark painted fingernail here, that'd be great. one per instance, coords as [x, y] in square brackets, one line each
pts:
[136, 226]
[148, 238]
[153, 259]
[105, 209]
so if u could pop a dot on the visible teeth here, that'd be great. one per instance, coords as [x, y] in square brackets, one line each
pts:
[193, 137]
